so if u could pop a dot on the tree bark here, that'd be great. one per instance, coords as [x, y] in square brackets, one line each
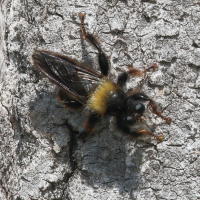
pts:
[41, 155]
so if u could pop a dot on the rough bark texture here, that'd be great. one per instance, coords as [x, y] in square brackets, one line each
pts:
[40, 155]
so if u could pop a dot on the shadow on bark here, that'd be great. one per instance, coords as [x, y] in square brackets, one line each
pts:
[104, 160]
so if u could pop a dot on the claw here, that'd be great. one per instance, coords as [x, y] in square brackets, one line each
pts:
[160, 138]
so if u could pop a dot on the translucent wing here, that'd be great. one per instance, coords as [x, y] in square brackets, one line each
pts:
[74, 78]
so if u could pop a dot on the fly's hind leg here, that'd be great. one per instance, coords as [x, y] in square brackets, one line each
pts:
[103, 61]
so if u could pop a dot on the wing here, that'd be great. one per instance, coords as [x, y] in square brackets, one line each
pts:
[74, 78]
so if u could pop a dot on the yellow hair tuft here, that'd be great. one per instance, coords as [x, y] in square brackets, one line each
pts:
[98, 101]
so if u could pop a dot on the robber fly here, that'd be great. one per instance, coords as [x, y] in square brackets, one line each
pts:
[81, 85]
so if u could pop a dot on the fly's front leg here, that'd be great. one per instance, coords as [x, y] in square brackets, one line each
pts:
[158, 113]
[143, 97]
[135, 134]
[133, 72]
[103, 61]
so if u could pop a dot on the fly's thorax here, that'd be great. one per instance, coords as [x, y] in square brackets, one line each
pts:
[116, 103]
[99, 100]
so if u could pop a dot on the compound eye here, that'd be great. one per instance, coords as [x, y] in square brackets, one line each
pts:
[139, 108]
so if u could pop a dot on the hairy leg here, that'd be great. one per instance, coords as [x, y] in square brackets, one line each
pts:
[89, 126]
[103, 61]
[143, 97]
[135, 134]
[133, 72]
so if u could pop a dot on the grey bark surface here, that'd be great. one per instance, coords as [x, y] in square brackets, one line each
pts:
[40, 155]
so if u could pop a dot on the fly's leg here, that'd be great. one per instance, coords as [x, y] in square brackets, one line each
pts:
[143, 97]
[135, 134]
[103, 61]
[139, 96]
[89, 126]
[158, 113]
[92, 120]
[133, 72]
